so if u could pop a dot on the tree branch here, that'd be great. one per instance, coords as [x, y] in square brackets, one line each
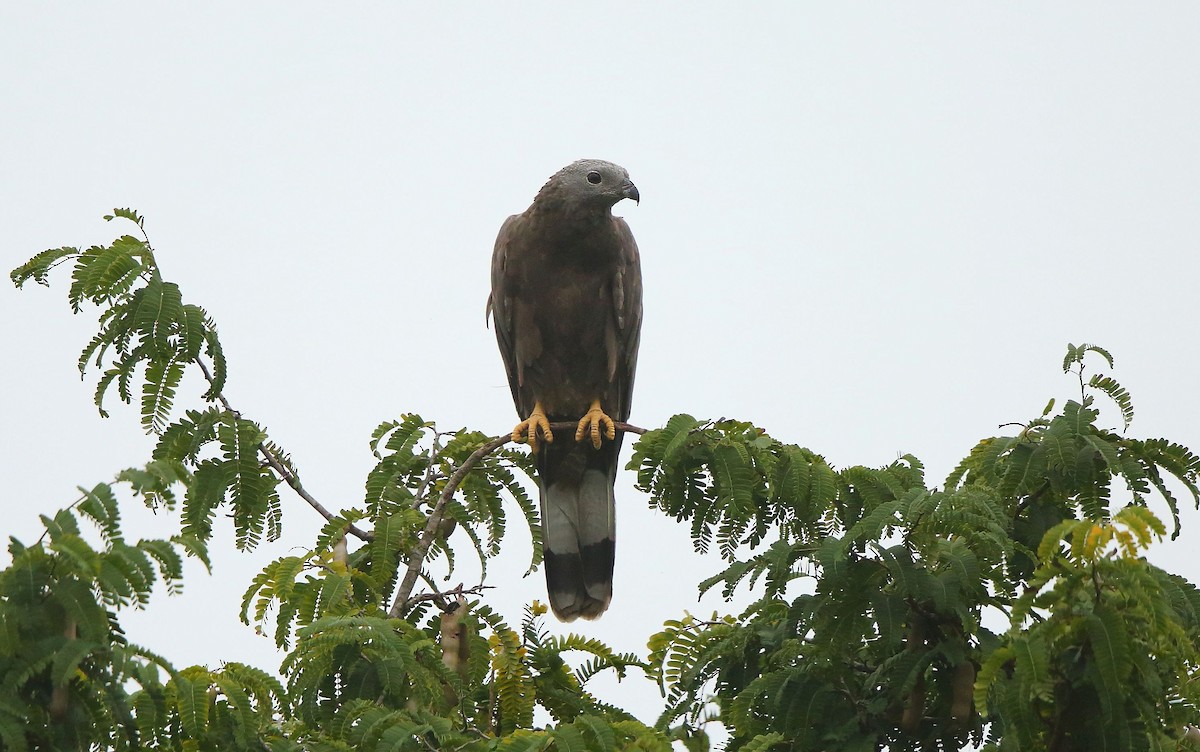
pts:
[280, 467]
[416, 557]
[1030, 499]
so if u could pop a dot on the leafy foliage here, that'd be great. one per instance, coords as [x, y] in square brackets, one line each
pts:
[869, 632]
[71, 679]
[1096, 626]
[370, 662]
[874, 594]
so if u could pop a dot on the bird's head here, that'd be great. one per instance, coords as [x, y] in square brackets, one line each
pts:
[588, 184]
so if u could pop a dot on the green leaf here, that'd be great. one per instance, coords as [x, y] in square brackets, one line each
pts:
[1110, 649]
[38, 267]
[193, 330]
[105, 275]
[251, 487]
[159, 307]
[195, 547]
[75, 550]
[158, 393]
[823, 488]
[205, 493]
[793, 489]
[212, 346]
[988, 672]
[100, 505]
[67, 659]
[1117, 394]
[170, 564]
[192, 703]
[1075, 355]
[335, 587]
[675, 434]
[899, 562]
[130, 214]
[1033, 668]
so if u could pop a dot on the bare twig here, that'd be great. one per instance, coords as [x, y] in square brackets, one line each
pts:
[442, 598]
[416, 557]
[277, 464]
[431, 473]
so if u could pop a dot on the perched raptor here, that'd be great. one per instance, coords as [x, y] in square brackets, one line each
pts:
[567, 304]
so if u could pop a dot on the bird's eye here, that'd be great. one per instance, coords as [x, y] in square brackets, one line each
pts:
[594, 177]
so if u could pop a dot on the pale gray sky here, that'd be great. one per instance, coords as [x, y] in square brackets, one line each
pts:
[869, 228]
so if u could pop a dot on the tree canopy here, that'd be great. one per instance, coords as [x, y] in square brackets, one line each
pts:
[1010, 607]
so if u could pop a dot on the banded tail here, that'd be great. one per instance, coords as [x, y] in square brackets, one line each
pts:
[578, 524]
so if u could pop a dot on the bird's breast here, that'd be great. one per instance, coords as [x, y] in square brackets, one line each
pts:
[569, 314]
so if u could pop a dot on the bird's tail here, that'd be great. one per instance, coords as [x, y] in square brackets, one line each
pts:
[578, 524]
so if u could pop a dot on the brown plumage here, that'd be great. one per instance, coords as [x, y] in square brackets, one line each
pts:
[567, 304]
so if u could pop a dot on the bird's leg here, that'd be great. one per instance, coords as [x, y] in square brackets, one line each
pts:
[527, 430]
[591, 422]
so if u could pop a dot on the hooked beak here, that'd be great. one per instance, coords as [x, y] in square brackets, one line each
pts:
[631, 191]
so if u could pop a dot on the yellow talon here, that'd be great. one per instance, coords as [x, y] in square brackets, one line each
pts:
[526, 432]
[591, 422]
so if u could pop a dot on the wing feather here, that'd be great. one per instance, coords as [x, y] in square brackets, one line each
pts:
[501, 303]
[627, 304]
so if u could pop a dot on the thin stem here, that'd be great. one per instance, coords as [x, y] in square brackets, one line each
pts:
[431, 473]
[440, 597]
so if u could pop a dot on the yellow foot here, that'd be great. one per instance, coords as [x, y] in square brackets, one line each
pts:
[527, 430]
[591, 422]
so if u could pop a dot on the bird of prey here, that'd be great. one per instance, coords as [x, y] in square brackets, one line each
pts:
[567, 305]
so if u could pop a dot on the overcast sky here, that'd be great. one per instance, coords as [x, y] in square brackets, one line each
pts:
[871, 229]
